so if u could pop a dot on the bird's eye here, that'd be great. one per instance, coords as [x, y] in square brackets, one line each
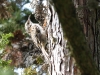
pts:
[38, 31]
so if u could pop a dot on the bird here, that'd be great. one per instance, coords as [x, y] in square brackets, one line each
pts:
[38, 35]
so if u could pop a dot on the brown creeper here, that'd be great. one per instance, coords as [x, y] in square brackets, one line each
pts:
[36, 32]
[38, 36]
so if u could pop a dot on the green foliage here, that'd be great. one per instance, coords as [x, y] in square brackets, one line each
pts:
[7, 70]
[7, 27]
[29, 71]
[4, 63]
[12, 24]
[16, 21]
[39, 60]
[14, 6]
[4, 39]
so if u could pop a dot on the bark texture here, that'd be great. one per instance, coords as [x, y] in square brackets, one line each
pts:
[61, 63]
[74, 32]
[47, 35]
[89, 18]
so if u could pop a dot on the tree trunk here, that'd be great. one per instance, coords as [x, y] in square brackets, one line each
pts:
[49, 37]
[89, 18]
[55, 49]
[73, 31]
[61, 62]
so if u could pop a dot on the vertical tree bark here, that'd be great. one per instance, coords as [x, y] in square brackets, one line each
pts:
[55, 49]
[89, 18]
[73, 31]
[61, 63]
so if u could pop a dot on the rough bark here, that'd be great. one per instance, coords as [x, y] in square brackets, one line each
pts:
[89, 18]
[74, 33]
[61, 63]
[55, 48]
